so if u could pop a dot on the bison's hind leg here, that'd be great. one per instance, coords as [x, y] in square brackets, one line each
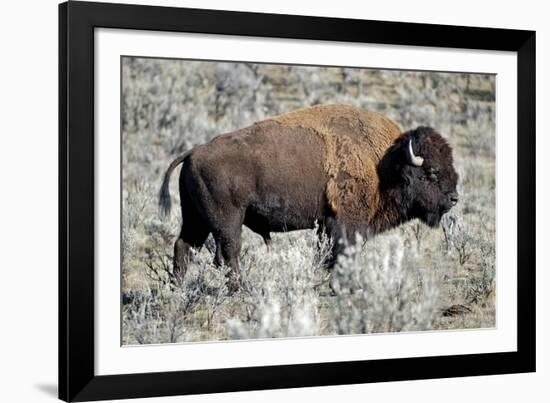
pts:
[189, 238]
[193, 234]
[227, 234]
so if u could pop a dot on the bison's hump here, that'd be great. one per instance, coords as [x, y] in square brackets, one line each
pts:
[372, 128]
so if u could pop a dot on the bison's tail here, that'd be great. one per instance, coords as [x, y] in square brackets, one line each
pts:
[165, 203]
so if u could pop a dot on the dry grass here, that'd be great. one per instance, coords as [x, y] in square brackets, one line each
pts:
[411, 278]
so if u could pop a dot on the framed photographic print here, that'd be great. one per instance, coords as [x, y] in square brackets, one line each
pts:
[258, 201]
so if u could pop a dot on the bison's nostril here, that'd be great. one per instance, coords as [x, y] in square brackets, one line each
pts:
[454, 198]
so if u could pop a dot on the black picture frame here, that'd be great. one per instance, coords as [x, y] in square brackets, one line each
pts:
[77, 21]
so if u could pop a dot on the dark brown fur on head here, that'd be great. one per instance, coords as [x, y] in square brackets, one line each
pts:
[408, 191]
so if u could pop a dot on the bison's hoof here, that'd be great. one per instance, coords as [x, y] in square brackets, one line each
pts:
[234, 285]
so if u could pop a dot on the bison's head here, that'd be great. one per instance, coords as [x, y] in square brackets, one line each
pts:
[417, 173]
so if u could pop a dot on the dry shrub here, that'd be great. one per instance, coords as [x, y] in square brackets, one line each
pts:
[280, 289]
[381, 289]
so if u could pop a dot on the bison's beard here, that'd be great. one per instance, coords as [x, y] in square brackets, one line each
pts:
[432, 219]
[430, 216]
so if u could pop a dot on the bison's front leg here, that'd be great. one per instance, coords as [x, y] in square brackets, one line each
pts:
[334, 231]
[341, 235]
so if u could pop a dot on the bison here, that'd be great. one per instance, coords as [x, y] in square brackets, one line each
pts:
[346, 168]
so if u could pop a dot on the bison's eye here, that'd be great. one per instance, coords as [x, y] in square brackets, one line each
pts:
[432, 174]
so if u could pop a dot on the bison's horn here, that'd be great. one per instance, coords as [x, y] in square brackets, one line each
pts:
[413, 159]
